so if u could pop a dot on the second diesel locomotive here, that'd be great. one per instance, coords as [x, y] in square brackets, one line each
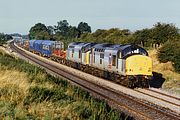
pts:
[126, 64]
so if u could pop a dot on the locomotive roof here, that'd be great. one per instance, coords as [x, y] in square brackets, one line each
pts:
[48, 42]
[80, 44]
[130, 46]
[108, 46]
[115, 46]
[38, 41]
[75, 43]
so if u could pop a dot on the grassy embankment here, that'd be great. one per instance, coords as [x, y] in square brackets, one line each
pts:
[172, 79]
[28, 92]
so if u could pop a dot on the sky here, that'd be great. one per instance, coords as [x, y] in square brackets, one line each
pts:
[18, 16]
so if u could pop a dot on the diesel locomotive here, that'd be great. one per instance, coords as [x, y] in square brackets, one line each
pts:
[126, 64]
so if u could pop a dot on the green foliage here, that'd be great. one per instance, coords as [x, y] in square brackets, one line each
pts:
[142, 37]
[7, 109]
[170, 51]
[62, 27]
[4, 38]
[50, 30]
[156, 35]
[60, 32]
[73, 32]
[166, 52]
[39, 31]
[83, 28]
[40, 94]
[162, 32]
[113, 35]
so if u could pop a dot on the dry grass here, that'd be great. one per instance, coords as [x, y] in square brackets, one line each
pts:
[13, 88]
[14, 78]
[172, 81]
[55, 111]
[14, 84]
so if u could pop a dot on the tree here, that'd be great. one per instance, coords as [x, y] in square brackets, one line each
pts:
[39, 31]
[142, 37]
[98, 32]
[163, 32]
[4, 38]
[83, 28]
[51, 30]
[62, 27]
[73, 32]
[166, 52]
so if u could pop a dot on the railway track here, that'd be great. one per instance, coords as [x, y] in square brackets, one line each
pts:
[134, 107]
[161, 96]
[166, 94]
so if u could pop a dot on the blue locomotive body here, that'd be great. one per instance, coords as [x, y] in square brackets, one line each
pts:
[47, 48]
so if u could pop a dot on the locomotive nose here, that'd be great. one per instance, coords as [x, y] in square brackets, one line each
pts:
[139, 65]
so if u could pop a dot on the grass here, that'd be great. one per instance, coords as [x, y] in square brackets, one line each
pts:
[172, 81]
[29, 92]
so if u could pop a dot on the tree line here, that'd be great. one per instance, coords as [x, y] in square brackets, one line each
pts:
[155, 36]
[62, 31]
[4, 38]
[160, 34]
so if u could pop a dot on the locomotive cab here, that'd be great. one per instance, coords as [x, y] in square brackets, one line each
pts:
[137, 61]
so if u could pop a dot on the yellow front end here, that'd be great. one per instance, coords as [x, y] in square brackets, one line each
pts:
[87, 57]
[139, 65]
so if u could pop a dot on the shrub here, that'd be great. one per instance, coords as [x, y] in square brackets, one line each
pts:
[170, 51]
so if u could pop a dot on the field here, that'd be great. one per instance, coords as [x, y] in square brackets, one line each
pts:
[28, 92]
[172, 79]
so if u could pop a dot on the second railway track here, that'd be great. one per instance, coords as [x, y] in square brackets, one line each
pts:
[161, 96]
[137, 108]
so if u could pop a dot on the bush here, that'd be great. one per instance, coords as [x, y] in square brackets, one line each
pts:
[170, 51]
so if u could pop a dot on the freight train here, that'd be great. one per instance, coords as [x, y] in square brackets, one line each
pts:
[125, 64]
